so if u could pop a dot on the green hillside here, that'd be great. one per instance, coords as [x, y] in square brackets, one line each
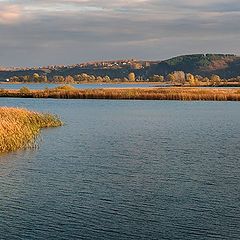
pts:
[225, 65]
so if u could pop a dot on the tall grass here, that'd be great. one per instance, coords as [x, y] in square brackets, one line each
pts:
[19, 127]
[167, 93]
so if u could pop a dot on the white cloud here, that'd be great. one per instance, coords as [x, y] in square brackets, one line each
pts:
[9, 13]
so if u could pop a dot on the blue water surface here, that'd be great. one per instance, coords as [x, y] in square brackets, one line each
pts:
[125, 170]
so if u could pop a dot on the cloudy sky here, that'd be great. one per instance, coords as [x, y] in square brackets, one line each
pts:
[42, 32]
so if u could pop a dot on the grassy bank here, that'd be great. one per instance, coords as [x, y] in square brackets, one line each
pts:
[165, 93]
[19, 127]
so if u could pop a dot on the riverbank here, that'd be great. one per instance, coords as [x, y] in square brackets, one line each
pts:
[20, 127]
[154, 93]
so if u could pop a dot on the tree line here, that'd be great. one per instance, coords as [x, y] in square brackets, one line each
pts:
[176, 77]
[80, 78]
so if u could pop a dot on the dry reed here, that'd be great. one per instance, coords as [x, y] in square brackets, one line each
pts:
[19, 127]
[167, 93]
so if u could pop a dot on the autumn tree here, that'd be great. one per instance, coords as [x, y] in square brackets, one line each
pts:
[69, 79]
[131, 77]
[170, 77]
[58, 79]
[156, 78]
[106, 79]
[180, 76]
[99, 79]
[193, 80]
[215, 80]
[36, 77]
[14, 79]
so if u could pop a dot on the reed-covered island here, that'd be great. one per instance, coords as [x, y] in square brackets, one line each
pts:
[148, 93]
[20, 127]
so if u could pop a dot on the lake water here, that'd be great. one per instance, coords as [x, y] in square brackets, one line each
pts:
[39, 86]
[125, 170]
[36, 86]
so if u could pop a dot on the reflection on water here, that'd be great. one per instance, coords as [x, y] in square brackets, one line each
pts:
[125, 170]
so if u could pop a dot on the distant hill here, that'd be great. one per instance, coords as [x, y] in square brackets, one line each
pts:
[224, 65]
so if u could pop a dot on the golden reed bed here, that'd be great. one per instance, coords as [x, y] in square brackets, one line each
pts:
[167, 93]
[19, 127]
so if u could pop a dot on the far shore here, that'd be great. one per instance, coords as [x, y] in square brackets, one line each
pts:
[146, 93]
[100, 83]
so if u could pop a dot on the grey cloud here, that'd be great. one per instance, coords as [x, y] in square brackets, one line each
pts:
[151, 29]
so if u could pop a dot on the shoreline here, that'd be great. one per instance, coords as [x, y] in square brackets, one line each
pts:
[151, 93]
[156, 84]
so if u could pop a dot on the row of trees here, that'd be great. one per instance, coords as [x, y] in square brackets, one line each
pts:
[177, 77]
[180, 77]
[36, 78]
[193, 80]
[29, 78]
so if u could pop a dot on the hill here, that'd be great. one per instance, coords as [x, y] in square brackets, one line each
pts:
[224, 65]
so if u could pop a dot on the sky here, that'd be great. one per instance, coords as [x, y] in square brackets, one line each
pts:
[44, 32]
